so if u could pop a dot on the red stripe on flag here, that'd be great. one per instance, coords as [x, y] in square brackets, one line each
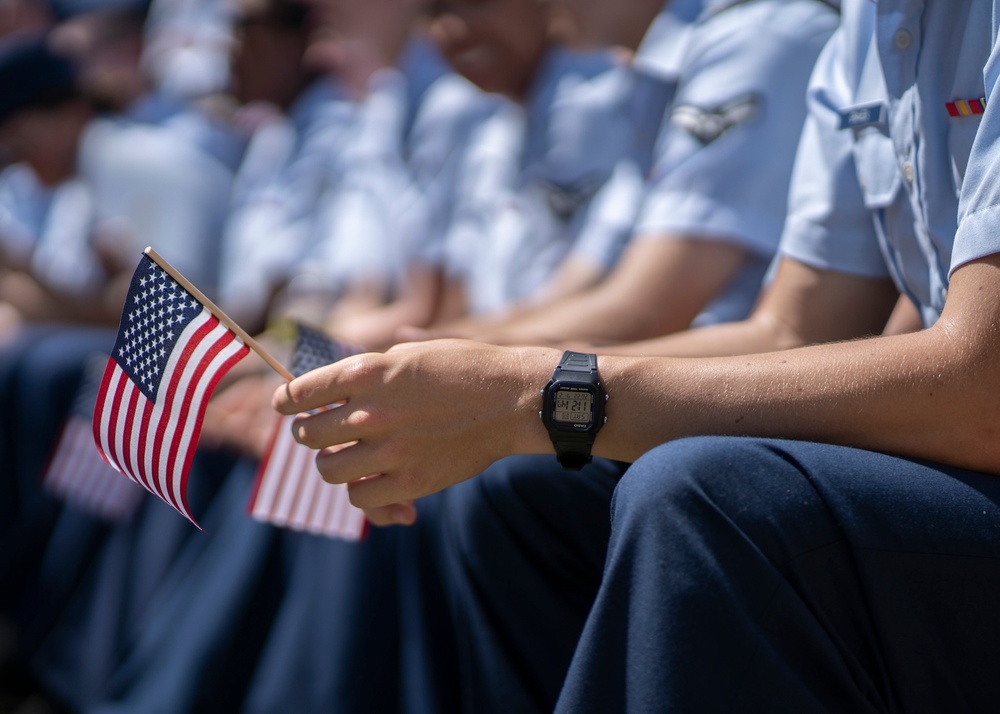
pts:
[193, 406]
[196, 391]
[104, 416]
[140, 406]
[262, 467]
[102, 395]
[176, 379]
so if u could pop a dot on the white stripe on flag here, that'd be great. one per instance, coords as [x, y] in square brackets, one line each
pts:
[290, 492]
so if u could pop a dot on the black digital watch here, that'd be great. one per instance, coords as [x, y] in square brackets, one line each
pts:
[573, 408]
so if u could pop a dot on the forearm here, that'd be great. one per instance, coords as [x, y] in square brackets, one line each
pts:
[804, 306]
[658, 287]
[588, 317]
[885, 394]
[376, 327]
[751, 336]
[928, 394]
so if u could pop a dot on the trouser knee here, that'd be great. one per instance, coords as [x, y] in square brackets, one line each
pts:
[712, 488]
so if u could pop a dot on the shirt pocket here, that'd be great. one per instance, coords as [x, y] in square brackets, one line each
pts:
[878, 171]
[961, 135]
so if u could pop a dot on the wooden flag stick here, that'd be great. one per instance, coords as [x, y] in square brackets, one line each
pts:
[223, 317]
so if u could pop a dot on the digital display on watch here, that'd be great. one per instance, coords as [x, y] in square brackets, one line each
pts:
[573, 407]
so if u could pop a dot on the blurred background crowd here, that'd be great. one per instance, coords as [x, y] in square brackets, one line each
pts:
[385, 170]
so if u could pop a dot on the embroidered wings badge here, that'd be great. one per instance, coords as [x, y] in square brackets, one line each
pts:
[564, 200]
[707, 125]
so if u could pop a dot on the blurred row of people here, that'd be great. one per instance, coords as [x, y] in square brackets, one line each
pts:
[510, 170]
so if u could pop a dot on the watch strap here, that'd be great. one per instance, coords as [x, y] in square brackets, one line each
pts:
[573, 456]
[578, 362]
[573, 448]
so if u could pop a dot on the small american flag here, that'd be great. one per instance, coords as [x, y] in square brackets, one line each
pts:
[170, 353]
[76, 473]
[289, 490]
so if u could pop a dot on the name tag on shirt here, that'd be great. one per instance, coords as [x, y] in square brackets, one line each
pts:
[860, 117]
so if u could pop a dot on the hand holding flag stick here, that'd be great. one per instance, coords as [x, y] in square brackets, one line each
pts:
[173, 347]
[289, 490]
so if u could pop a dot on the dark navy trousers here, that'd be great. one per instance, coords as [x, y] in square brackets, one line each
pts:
[476, 608]
[519, 549]
[778, 576]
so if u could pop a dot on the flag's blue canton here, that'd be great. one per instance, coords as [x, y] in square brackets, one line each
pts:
[313, 350]
[156, 311]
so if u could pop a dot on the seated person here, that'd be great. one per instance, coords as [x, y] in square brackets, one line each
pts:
[832, 495]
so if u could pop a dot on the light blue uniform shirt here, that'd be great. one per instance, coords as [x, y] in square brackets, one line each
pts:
[893, 91]
[524, 213]
[395, 176]
[157, 187]
[286, 168]
[24, 203]
[136, 185]
[725, 155]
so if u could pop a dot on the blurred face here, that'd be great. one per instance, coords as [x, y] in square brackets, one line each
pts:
[45, 139]
[359, 31]
[108, 48]
[496, 44]
[266, 60]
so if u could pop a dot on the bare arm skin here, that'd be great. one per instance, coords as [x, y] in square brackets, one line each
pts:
[658, 287]
[904, 318]
[426, 416]
[375, 327]
[803, 306]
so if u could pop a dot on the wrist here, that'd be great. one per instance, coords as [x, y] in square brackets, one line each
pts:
[531, 367]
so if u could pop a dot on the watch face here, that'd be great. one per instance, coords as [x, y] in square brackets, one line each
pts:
[573, 407]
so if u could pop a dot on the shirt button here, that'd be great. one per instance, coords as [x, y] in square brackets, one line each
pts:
[944, 295]
[902, 39]
[908, 172]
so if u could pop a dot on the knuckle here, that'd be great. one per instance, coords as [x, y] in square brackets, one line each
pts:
[360, 419]
[305, 432]
[329, 467]
[361, 368]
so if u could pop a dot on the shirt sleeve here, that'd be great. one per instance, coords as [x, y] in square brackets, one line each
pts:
[828, 225]
[979, 201]
[367, 220]
[610, 219]
[726, 151]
